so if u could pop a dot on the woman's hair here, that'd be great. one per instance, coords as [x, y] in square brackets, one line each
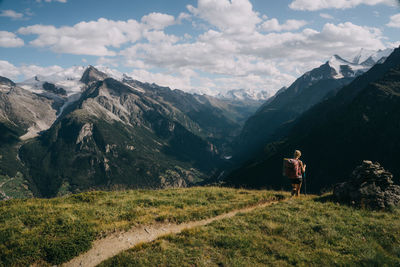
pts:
[297, 154]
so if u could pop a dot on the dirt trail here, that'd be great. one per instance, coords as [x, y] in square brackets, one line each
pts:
[114, 244]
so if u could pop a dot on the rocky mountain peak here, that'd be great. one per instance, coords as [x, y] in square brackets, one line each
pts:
[6, 81]
[92, 74]
[345, 69]
[245, 95]
[6, 84]
[368, 57]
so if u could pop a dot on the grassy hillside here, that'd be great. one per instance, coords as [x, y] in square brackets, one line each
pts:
[306, 231]
[301, 232]
[52, 231]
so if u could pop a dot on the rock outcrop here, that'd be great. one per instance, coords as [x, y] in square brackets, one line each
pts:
[370, 186]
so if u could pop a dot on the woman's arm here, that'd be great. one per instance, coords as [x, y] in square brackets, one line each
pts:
[303, 167]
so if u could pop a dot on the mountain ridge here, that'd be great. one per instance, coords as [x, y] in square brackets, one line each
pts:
[354, 124]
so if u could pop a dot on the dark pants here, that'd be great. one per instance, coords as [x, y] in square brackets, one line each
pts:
[296, 180]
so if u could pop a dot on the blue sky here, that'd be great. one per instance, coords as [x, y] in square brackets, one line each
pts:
[195, 45]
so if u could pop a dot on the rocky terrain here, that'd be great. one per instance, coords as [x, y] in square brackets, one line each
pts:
[371, 186]
[65, 134]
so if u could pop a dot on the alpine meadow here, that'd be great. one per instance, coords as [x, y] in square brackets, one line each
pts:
[199, 133]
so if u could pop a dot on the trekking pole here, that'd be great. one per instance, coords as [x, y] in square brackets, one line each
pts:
[305, 183]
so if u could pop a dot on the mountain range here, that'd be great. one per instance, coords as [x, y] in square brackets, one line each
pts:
[74, 131]
[289, 103]
[88, 127]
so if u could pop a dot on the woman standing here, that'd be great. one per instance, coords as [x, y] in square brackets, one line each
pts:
[297, 179]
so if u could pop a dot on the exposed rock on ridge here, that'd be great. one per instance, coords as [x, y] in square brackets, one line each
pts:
[370, 186]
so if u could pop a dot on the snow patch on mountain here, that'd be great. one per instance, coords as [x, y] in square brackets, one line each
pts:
[344, 68]
[112, 73]
[245, 95]
[366, 56]
[361, 63]
[68, 79]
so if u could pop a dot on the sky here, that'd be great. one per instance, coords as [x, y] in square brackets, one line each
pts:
[206, 46]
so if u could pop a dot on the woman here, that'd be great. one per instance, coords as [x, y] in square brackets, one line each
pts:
[297, 181]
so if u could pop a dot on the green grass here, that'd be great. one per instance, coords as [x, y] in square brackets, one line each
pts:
[52, 231]
[305, 232]
[15, 187]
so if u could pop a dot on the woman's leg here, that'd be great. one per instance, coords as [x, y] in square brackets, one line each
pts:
[298, 189]
[294, 189]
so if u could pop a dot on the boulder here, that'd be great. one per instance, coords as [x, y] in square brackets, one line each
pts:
[370, 186]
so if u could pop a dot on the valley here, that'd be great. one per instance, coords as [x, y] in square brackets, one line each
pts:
[98, 130]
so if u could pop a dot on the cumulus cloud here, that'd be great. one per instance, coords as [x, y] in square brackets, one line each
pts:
[272, 58]
[222, 53]
[178, 80]
[289, 25]
[394, 21]
[28, 71]
[313, 5]
[8, 70]
[158, 21]
[102, 37]
[85, 38]
[227, 15]
[11, 14]
[243, 49]
[25, 71]
[9, 39]
[253, 81]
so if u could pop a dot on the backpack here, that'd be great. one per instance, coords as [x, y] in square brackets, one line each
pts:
[291, 168]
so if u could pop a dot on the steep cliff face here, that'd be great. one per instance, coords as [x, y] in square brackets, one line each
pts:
[25, 110]
[116, 135]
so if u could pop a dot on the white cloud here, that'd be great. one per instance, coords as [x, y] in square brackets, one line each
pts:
[9, 39]
[159, 36]
[253, 81]
[289, 25]
[8, 70]
[102, 37]
[254, 56]
[158, 21]
[313, 5]
[28, 71]
[240, 51]
[394, 21]
[85, 38]
[227, 15]
[11, 14]
[25, 71]
[326, 16]
[111, 61]
[394, 44]
[178, 81]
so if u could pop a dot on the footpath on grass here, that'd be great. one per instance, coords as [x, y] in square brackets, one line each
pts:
[112, 245]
